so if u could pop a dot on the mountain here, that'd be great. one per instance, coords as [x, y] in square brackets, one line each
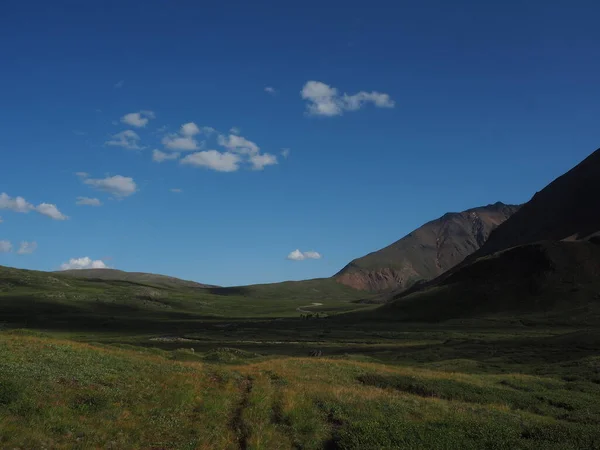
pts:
[555, 280]
[155, 280]
[545, 260]
[565, 209]
[426, 252]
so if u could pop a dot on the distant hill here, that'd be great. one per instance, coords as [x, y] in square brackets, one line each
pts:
[426, 252]
[162, 281]
[545, 259]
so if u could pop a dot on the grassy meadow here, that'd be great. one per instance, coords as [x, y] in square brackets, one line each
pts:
[109, 364]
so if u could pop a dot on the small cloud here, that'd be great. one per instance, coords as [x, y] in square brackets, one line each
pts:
[1, 220]
[176, 190]
[212, 159]
[189, 129]
[158, 156]
[271, 90]
[260, 161]
[234, 130]
[98, 110]
[297, 255]
[83, 263]
[117, 185]
[79, 133]
[324, 100]
[138, 119]
[27, 248]
[82, 174]
[17, 204]
[87, 201]
[128, 139]
[20, 205]
[185, 143]
[50, 210]
[285, 152]
[238, 144]
[119, 84]
[184, 140]
[5, 247]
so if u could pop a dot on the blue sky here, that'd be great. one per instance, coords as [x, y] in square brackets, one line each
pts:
[393, 113]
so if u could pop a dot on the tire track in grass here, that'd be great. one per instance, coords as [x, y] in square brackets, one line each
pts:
[238, 424]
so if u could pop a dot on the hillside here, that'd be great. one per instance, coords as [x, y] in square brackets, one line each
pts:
[559, 281]
[135, 277]
[427, 251]
[565, 209]
[61, 301]
[534, 263]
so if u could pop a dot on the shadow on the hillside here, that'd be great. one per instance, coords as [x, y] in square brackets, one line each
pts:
[227, 291]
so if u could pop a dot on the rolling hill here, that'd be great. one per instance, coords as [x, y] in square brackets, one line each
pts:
[426, 252]
[135, 277]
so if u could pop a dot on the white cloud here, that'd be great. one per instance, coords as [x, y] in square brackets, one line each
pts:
[184, 140]
[117, 185]
[189, 129]
[234, 130]
[138, 119]
[1, 220]
[19, 204]
[82, 174]
[119, 84]
[158, 156]
[83, 263]
[50, 210]
[357, 101]
[79, 133]
[324, 100]
[127, 139]
[238, 144]
[297, 255]
[259, 161]
[5, 247]
[83, 201]
[271, 90]
[176, 190]
[312, 255]
[175, 142]
[212, 159]
[285, 152]
[27, 248]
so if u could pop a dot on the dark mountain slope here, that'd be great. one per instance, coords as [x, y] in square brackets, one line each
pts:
[536, 262]
[559, 280]
[134, 277]
[568, 208]
[426, 252]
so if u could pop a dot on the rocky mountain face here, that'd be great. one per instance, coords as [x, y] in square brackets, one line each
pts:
[426, 252]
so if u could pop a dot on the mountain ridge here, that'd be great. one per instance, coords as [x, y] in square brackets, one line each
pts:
[427, 251]
[544, 259]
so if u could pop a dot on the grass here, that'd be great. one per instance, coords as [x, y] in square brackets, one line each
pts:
[110, 364]
[50, 300]
[65, 394]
